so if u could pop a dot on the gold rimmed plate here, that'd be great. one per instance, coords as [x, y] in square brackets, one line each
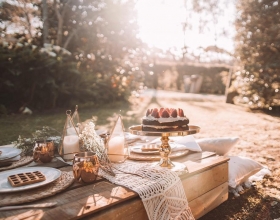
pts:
[156, 157]
[137, 130]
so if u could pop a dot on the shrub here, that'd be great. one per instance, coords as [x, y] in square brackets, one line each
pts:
[49, 77]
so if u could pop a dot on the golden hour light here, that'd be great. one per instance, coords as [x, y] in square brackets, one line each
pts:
[161, 25]
[140, 109]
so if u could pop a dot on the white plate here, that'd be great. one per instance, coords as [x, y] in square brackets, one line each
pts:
[8, 153]
[51, 175]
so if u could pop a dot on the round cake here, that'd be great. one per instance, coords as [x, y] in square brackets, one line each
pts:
[165, 119]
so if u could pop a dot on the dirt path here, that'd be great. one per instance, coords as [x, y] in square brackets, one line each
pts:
[259, 140]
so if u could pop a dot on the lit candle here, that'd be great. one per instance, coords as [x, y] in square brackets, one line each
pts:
[70, 146]
[116, 149]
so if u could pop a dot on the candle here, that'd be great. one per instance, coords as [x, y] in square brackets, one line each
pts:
[72, 131]
[70, 146]
[116, 149]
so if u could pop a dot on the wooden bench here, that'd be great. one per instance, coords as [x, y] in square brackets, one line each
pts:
[205, 184]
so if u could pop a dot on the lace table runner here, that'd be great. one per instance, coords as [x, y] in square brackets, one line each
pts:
[160, 189]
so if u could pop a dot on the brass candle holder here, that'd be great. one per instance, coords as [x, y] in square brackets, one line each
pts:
[43, 151]
[85, 167]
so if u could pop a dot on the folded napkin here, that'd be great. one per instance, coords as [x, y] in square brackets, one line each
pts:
[181, 143]
[131, 138]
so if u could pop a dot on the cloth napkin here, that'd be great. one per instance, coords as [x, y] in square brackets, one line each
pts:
[131, 138]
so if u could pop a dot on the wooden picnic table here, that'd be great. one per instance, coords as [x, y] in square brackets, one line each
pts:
[205, 183]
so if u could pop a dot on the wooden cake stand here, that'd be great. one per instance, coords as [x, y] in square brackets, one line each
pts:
[165, 148]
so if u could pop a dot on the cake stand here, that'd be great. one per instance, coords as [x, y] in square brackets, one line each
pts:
[165, 148]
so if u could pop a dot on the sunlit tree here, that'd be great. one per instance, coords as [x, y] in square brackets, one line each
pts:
[207, 14]
[101, 37]
[258, 52]
[20, 17]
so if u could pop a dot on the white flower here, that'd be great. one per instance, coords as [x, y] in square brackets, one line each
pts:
[52, 54]
[18, 45]
[34, 47]
[47, 46]
[66, 52]
[5, 44]
[56, 48]
[90, 139]
[43, 50]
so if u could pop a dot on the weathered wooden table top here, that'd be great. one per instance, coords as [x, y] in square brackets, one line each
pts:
[88, 201]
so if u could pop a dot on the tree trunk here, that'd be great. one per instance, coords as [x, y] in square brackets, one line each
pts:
[74, 32]
[45, 22]
[60, 16]
[60, 24]
[59, 31]
[28, 25]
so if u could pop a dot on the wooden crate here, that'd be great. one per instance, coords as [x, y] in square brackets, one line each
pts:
[207, 189]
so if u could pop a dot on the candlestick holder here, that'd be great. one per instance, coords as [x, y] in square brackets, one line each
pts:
[70, 139]
[116, 145]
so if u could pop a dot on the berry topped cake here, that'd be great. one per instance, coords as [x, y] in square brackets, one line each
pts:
[165, 119]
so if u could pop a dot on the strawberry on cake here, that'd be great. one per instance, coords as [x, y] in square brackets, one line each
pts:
[165, 119]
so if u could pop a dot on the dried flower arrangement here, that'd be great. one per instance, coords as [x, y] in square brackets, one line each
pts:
[91, 141]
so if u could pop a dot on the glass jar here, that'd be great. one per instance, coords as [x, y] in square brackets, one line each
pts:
[43, 151]
[85, 167]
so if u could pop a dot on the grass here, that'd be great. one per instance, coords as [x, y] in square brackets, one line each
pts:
[12, 126]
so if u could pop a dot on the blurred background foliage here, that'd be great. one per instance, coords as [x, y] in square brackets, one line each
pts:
[257, 76]
[83, 53]
[86, 52]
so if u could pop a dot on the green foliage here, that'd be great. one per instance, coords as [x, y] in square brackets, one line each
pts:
[96, 68]
[49, 77]
[43, 134]
[258, 50]
[37, 77]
